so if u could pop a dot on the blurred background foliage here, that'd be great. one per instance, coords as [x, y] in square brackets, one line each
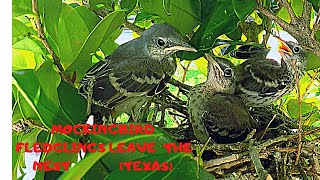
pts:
[54, 43]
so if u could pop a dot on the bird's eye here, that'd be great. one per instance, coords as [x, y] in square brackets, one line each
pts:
[161, 42]
[296, 49]
[228, 72]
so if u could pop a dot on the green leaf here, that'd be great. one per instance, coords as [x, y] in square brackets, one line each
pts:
[128, 5]
[57, 157]
[15, 155]
[52, 9]
[202, 64]
[222, 20]
[183, 166]
[179, 9]
[20, 30]
[27, 54]
[88, 17]
[113, 159]
[31, 90]
[292, 108]
[243, 8]
[21, 7]
[71, 36]
[28, 45]
[99, 34]
[313, 61]
[73, 104]
[318, 35]
[297, 6]
[49, 80]
[315, 4]
[283, 14]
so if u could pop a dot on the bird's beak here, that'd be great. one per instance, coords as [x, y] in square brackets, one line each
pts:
[183, 47]
[283, 47]
[211, 60]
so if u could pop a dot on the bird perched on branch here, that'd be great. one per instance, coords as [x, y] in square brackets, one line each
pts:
[214, 111]
[134, 72]
[260, 80]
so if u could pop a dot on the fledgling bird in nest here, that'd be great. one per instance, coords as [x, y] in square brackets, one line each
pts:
[262, 80]
[214, 109]
[134, 72]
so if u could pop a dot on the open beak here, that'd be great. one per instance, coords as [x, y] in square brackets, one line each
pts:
[283, 47]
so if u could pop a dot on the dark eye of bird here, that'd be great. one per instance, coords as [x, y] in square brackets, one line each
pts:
[296, 49]
[161, 42]
[228, 72]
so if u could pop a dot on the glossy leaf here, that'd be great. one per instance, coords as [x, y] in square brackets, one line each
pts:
[179, 9]
[315, 4]
[31, 90]
[21, 7]
[71, 36]
[52, 9]
[313, 61]
[20, 30]
[99, 34]
[128, 5]
[243, 9]
[157, 136]
[183, 166]
[292, 108]
[88, 17]
[222, 19]
[49, 80]
[73, 104]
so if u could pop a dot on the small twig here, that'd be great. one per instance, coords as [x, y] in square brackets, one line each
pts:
[133, 27]
[44, 41]
[254, 154]
[219, 161]
[29, 123]
[306, 14]
[265, 131]
[179, 84]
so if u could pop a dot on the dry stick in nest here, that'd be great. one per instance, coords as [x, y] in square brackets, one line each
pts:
[44, 41]
[254, 154]
[236, 159]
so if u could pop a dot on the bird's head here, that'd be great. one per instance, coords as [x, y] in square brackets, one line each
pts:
[221, 76]
[162, 40]
[292, 54]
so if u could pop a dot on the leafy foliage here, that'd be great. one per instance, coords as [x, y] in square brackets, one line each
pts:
[76, 34]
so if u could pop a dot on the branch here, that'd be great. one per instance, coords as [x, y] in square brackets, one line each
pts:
[44, 41]
[133, 27]
[254, 154]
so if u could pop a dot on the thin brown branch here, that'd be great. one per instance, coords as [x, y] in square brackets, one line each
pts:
[306, 13]
[133, 27]
[44, 41]
[254, 154]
